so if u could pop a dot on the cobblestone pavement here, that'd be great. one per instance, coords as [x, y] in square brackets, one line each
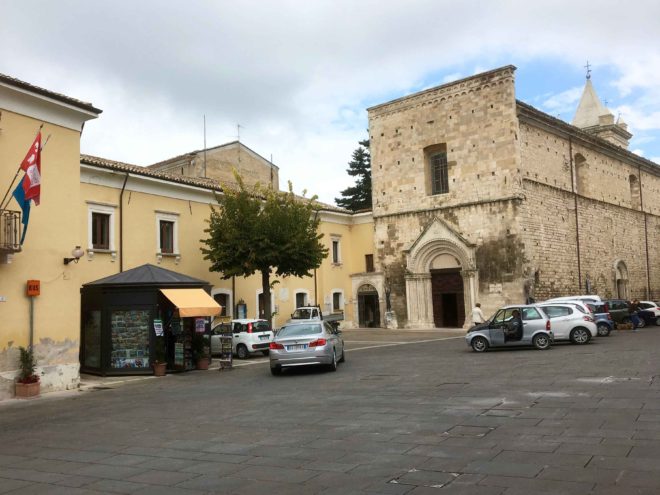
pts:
[398, 417]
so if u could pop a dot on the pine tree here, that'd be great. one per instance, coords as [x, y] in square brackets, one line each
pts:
[358, 197]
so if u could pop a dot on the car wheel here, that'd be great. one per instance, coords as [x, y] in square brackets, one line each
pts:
[242, 352]
[342, 359]
[603, 330]
[265, 353]
[479, 344]
[276, 370]
[642, 322]
[541, 341]
[657, 321]
[580, 336]
[333, 365]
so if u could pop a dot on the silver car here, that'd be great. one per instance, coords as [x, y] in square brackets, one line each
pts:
[536, 329]
[306, 343]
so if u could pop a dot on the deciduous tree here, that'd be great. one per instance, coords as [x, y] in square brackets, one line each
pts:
[263, 230]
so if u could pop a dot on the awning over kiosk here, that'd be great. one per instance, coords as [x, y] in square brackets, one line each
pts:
[192, 302]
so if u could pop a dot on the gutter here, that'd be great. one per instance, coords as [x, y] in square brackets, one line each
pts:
[121, 225]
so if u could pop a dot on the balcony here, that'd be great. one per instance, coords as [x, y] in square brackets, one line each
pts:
[10, 234]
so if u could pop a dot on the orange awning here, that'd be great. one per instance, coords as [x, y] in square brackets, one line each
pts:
[192, 302]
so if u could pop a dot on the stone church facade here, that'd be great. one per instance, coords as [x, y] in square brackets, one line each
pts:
[478, 197]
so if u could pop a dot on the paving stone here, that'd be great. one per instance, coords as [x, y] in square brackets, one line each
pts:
[543, 459]
[590, 475]
[529, 486]
[126, 460]
[108, 471]
[268, 473]
[29, 475]
[115, 486]
[626, 463]
[8, 485]
[213, 468]
[427, 478]
[503, 468]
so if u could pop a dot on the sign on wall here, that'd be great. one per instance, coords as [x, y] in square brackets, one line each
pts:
[33, 288]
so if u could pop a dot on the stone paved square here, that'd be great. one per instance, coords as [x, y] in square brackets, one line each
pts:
[408, 413]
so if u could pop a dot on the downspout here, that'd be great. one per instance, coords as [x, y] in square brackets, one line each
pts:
[646, 235]
[121, 225]
[575, 203]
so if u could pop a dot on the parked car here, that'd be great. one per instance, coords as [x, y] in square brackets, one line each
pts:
[305, 343]
[569, 322]
[618, 308]
[314, 313]
[653, 308]
[646, 318]
[536, 329]
[585, 299]
[602, 318]
[248, 337]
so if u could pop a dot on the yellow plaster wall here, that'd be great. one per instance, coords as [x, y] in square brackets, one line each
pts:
[53, 231]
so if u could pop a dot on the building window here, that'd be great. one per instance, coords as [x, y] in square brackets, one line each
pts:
[369, 262]
[439, 173]
[301, 299]
[100, 231]
[166, 237]
[337, 301]
[100, 225]
[336, 250]
[224, 300]
[635, 197]
[167, 232]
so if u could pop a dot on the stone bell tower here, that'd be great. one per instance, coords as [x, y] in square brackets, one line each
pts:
[593, 117]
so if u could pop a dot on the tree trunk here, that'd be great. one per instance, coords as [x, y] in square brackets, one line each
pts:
[265, 286]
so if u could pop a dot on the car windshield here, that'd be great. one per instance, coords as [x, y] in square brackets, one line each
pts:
[298, 330]
[301, 314]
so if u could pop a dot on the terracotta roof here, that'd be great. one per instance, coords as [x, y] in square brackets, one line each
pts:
[12, 81]
[196, 152]
[145, 171]
[576, 131]
[211, 184]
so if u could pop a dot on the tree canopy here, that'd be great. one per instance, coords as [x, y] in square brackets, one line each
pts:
[358, 197]
[262, 230]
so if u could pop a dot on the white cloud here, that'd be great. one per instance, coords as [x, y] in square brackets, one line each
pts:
[299, 75]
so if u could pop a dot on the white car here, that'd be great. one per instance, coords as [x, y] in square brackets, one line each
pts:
[584, 299]
[570, 322]
[650, 306]
[248, 337]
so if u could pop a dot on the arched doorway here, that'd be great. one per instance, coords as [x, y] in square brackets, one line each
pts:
[368, 306]
[621, 279]
[447, 292]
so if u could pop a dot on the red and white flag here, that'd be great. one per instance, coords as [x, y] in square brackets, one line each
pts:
[32, 166]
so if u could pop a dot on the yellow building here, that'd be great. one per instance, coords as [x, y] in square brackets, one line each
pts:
[123, 216]
[53, 232]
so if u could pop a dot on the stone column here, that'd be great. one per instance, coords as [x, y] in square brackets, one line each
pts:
[419, 300]
[469, 294]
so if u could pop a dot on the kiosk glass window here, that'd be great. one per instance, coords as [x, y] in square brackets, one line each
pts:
[129, 339]
[92, 338]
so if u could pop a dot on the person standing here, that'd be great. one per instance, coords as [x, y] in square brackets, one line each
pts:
[477, 314]
[633, 310]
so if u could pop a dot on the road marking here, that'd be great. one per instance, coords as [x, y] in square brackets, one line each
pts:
[404, 343]
[387, 344]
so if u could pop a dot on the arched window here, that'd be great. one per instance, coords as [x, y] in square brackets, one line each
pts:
[635, 200]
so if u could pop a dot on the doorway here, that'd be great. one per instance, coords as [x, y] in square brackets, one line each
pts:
[368, 307]
[447, 292]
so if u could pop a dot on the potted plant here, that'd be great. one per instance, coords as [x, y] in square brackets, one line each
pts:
[160, 362]
[200, 351]
[27, 384]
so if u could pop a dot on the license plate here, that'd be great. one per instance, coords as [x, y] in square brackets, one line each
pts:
[296, 347]
[263, 337]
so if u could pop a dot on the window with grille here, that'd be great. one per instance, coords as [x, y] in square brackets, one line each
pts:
[100, 231]
[336, 301]
[439, 174]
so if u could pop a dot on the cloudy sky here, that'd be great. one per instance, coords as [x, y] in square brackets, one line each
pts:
[298, 75]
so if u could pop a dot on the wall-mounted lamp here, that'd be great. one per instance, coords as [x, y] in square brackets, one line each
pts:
[76, 253]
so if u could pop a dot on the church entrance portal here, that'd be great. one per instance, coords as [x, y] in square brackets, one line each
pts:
[368, 307]
[448, 302]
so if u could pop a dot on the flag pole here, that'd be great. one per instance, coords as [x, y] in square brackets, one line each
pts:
[2, 203]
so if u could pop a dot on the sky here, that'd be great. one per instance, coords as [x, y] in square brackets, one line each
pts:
[298, 75]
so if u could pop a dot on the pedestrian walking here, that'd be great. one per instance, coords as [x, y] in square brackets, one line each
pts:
[633, 311]
[477, 314]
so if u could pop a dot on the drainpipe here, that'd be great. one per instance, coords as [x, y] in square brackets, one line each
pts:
[121, 225]
[575, 202]
[646, 235]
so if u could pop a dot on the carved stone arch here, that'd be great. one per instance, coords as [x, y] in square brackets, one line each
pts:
[438, 239]
[620, 279]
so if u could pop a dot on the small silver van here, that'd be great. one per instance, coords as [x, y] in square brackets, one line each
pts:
[500, 329]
